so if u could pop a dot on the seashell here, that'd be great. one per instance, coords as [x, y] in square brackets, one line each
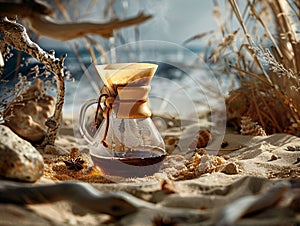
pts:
[237, 105]
[201, 140]
[248, 127]
[26, 114]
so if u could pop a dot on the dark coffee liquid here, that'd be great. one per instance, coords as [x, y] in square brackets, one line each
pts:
[134, 163]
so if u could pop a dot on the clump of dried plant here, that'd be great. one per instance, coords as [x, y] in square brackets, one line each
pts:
[257, 47]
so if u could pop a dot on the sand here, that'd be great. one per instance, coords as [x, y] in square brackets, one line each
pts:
[262, 173]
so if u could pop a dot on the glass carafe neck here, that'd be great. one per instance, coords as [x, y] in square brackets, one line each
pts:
[127, 102]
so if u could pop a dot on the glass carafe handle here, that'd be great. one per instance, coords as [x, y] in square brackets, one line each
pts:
[84, 132]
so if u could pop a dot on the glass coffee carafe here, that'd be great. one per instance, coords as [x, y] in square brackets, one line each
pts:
[126, 143]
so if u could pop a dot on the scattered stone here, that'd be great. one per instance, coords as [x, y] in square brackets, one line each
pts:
[203, 167]
[168, 187]
[273, 157]
[293, 148]
[224, 144]
[18, 158]
[230, 168]
[226, 157]
[286, 173]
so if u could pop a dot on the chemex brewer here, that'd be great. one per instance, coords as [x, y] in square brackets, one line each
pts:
[126, 143]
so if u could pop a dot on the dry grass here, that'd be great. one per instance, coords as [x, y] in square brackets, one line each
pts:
[257, 46]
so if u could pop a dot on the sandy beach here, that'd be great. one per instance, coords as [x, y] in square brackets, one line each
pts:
[89, 136]
[257, 166]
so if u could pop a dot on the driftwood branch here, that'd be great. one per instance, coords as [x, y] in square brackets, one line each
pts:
[47, 26]
[38, 15]
[251, 204]
[15, 35]
[116, 204]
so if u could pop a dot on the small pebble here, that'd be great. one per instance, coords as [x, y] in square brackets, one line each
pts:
[224, 144]
[230, 168]
[226, 157]
[273, 157]
[18, 158]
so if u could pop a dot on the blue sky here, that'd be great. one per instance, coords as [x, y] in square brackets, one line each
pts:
[173, 21]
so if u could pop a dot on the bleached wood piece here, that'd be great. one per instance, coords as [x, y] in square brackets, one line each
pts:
[38, 14]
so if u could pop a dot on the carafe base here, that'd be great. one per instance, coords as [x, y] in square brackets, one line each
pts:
[134, 163]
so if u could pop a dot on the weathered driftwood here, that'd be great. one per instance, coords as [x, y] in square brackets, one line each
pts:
[14, 34]
[250, 204]
[117, 204]
[38, 15]
[47, 26]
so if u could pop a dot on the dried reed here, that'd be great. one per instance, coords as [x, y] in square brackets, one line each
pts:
[263, 57]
